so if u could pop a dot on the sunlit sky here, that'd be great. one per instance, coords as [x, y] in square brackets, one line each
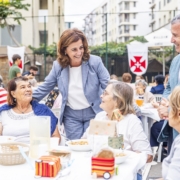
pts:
[79, 9]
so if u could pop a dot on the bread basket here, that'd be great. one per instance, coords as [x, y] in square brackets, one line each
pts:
[10, 153]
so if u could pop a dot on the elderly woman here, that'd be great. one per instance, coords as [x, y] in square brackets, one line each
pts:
[119, 95]
[80, 77]
[20, 106]
[171, 165]
[140, 90]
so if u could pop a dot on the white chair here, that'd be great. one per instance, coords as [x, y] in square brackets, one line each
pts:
[158, 97]
[160, 152]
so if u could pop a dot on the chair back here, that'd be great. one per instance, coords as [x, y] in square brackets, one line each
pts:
[158, 97]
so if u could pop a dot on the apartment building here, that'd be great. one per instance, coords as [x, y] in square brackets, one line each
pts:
[117, 21]
[162, 11]
[44, 17]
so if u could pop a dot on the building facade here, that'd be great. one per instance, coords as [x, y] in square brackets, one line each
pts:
[117, 21]
[44, 17]
[162, 11]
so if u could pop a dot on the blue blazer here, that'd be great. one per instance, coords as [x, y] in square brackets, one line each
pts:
[95, 78]
[173, 81]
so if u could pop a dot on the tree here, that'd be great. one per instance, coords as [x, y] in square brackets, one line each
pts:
[10, 9]
[51, 50]
[114, 49]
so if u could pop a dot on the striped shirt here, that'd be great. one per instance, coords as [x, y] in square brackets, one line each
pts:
[3, 96]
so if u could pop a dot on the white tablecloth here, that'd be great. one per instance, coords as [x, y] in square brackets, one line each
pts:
[80, 169]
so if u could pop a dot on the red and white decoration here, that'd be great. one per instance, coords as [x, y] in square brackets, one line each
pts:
[138, 58]
[16, 50]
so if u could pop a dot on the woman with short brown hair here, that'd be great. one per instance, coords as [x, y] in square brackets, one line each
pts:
[80, 77]
[14, 116]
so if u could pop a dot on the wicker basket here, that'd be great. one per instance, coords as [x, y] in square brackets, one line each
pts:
[10, 154]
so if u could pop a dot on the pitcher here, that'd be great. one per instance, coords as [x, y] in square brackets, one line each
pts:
[40, 133]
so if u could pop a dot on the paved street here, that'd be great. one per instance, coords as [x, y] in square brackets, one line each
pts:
[155, 172]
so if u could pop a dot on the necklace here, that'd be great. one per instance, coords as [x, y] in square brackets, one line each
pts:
[24, 110]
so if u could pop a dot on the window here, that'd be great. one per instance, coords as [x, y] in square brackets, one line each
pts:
[169, 16]
[159, 22]
[104, 19]
[43, 4]
[126, 39]
[42, 36]
[120, 6]
[164, 19]
[126, 17]
[134, 16]
[159, 5]
[126, 29]
[134, 27]
[120, 18]
[164, 2]
[5, 37]
[134, 4]
[126, 4]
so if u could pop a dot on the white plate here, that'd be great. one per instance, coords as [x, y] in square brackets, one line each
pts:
[4, 139]
[86, 147]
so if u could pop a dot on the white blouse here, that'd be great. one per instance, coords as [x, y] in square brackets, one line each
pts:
[130, 126]
[15, 124]
[76, 97]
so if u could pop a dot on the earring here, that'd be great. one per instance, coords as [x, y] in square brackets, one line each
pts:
[15, 99]
[65, 54]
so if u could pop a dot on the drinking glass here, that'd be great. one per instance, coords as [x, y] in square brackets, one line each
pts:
[39, 135]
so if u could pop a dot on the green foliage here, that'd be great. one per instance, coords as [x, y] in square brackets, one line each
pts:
[114, 49]
[139, 38]
[158, 54]
[51, 50]
[10, 9]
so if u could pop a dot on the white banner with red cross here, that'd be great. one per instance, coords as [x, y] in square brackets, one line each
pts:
[138, 58]
[16, 50]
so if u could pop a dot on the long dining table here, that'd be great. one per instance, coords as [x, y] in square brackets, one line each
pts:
[80, 168]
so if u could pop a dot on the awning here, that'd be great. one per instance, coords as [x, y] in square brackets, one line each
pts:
[159, 38]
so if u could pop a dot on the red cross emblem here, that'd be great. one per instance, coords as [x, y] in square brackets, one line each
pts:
[137, 64]
[20, 65]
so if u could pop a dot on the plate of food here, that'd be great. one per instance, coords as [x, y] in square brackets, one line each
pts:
[4, 139]
[79, 145]
[120, 156]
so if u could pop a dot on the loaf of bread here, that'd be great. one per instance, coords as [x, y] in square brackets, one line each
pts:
[105, 154]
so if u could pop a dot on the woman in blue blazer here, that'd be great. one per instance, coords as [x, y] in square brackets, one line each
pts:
[81, 79]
